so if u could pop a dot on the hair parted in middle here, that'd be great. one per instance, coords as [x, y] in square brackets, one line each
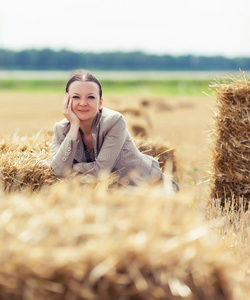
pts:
[83, 76]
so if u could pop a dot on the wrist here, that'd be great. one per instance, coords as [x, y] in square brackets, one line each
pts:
[73, 132]
[75, 125]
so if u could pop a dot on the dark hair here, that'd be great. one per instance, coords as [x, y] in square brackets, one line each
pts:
[84, 76]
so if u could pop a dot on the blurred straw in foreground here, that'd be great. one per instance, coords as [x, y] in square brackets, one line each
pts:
[84, 242]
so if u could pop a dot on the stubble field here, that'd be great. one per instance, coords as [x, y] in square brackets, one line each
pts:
[183, 122]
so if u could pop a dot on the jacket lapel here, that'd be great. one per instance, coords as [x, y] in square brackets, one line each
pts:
[80, 154]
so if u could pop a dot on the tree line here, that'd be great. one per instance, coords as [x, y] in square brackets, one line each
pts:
[48, 59]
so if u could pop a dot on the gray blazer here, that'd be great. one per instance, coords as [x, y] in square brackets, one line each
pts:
[114, 151]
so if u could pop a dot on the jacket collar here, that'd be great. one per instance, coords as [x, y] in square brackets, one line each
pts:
[97, 119]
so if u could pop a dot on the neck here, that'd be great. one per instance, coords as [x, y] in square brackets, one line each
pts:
[86, 127]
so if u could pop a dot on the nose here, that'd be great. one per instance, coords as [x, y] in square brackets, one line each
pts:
[83, 102]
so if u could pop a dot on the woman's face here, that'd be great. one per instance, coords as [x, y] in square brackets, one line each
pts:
[85, 99]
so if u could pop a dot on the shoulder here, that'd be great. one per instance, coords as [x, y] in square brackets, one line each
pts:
[112, 119]
[111, 116]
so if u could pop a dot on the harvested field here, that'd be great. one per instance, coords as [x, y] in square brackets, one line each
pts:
[80, 239]
[184, 128]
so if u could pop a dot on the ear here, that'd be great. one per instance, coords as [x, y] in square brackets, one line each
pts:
[100, 104]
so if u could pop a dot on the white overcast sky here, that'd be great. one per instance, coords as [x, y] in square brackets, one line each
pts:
[214, 27]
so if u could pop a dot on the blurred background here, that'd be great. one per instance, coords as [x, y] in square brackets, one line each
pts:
[124, 35]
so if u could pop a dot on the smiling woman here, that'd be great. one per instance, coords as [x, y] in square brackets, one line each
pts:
[92, 139]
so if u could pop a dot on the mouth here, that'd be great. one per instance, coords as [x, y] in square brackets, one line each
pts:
[83, 111]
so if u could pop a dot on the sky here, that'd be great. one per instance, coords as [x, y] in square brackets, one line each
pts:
[176, 27]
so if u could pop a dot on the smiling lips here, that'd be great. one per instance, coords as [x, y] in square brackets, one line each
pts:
[83, 111]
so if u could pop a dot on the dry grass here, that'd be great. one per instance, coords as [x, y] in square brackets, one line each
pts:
[75, 239]
[78, 241]
[231, 141]
[18, 162]
[20, 158]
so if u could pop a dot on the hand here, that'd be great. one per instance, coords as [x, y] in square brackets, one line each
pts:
[67, 110]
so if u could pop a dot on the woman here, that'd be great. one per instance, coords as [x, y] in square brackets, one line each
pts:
[93, 139]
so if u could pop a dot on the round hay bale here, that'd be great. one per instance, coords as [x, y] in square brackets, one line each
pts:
[231, 141]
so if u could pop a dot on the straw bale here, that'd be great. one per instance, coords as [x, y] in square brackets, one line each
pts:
[231, 140]
[139, 130]
[159, 104]
[137, 126]
[130, 110]
[18, 162]
[78, 242]
[138, 120]
[161, 150]
[19, 157]
[145, 102]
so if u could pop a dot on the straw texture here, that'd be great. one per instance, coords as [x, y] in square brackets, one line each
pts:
[19, 157]
[161, 150]
[231, 141]
[75, 241]
[138, 121]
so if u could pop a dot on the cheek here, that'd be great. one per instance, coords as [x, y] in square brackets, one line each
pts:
[73, 104]
[94, 105]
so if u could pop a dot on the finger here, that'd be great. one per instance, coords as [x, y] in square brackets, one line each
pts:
[66, 100]
[70, 105]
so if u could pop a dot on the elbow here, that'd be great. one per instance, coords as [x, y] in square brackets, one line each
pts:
[59, 172]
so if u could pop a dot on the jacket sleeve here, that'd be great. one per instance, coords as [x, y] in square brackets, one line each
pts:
[62, 154]
[110, 150]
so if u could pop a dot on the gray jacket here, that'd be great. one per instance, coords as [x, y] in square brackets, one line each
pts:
[114, 151]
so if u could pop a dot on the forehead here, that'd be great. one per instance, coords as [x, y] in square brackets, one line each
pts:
[85, 87]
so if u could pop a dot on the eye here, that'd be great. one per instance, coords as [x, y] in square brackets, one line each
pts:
[76, 97]
[91, 97]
